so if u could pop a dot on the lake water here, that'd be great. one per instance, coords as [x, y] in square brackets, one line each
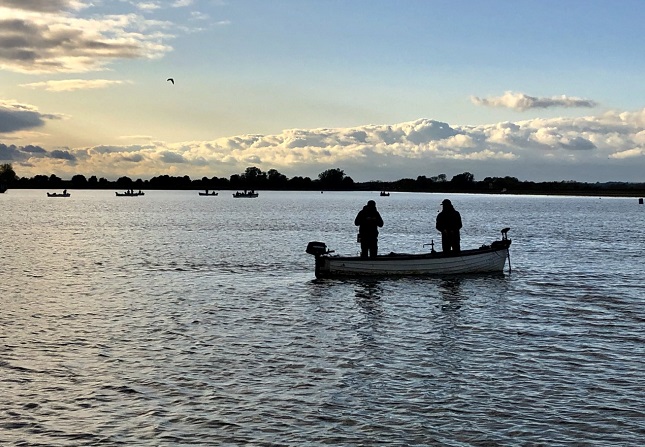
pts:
[175, 320]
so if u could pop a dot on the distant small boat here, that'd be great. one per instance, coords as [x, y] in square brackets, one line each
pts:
[129, 194]
[250, 194]
[208, 193]
[55, 194]
[385, 194]
[486, 259]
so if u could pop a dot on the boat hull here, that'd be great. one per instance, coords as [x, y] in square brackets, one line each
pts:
[484, 260]
[245, 196]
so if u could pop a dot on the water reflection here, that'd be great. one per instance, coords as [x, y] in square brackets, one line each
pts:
[368, 294]
[451, 294]
[318, 288]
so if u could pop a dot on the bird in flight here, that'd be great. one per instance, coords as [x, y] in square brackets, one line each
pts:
[171, 80]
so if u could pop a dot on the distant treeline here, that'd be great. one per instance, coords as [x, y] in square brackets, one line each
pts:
[331, 179]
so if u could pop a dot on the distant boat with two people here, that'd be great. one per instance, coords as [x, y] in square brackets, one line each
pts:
[129, 193]
[247, 194]
[208, 193]
[55, 194]
[385, 194]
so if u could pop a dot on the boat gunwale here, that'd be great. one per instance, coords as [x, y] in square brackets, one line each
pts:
[412, 256]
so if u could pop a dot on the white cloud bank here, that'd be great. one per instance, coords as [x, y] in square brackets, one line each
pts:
[592, 148]
[521, 101]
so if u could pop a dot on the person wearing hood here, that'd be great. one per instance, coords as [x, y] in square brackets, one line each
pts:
[449, 224]
[368, 220]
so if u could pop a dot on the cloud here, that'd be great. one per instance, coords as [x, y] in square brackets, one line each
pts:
[637, 152]
[581, 146]
[38, 37]
[171, 157]
[16, 153]
[11, 153]
[147, 6]
[15, 117]
[62, 155]
[133, 158]
[105, 149]
[44, 5]
[69, 85]
[182, 3]
[34, 150]
[522, 102]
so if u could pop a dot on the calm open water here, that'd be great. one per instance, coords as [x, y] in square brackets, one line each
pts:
[174, 320]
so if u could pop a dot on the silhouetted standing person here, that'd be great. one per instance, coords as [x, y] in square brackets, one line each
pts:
[368, 220]
[449, 223]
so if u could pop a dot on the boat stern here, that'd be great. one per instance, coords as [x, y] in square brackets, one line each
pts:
[318, 250]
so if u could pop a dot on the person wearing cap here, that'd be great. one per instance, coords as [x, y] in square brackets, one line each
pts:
[368, 220]
[449, 224]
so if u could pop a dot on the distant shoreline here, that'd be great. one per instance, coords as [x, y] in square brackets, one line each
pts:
[335, 179]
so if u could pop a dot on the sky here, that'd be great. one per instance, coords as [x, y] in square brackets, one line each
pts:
[541, 90]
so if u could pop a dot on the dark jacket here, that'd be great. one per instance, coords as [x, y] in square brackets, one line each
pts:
[368, 220]
[449, 219]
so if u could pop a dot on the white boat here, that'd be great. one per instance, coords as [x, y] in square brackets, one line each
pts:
[485, 259]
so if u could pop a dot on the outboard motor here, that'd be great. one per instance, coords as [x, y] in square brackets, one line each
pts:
[316, 248]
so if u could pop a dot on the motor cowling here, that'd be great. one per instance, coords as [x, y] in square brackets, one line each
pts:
[316, 248]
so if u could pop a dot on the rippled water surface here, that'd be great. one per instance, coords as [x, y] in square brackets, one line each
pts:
[174, 319]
